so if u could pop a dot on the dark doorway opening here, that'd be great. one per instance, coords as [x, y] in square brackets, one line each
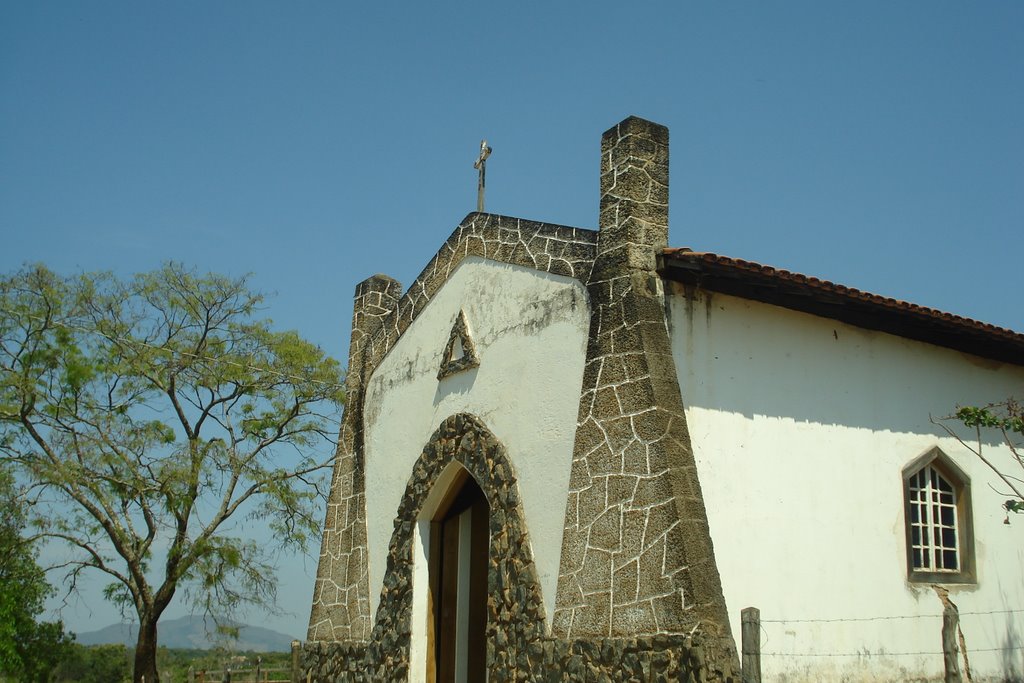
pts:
[459, 544]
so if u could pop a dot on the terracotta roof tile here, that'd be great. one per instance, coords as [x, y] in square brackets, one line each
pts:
[822, 297]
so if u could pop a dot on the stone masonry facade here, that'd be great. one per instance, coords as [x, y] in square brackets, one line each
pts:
[515, 613]
[639, 596]
[517, 646]
[341, 605]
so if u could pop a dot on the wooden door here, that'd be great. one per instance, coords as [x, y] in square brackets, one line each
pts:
[459, 548]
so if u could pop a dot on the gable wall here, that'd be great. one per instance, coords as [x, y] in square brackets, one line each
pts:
[381, 316]
[801, 427]
[530, 332]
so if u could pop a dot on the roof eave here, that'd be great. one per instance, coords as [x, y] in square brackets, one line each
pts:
[827, 300]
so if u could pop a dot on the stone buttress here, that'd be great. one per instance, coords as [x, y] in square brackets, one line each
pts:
[341, 601]
[637, 557]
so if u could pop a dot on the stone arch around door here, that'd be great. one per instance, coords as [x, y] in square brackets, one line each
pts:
[515, 611]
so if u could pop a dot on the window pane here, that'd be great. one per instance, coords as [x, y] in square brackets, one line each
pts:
[949, 560]
[934, 520]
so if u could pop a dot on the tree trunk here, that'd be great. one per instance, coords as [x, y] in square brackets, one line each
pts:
[145, 653]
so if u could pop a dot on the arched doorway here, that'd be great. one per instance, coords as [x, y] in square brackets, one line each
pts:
[457, 565]
[462, 448]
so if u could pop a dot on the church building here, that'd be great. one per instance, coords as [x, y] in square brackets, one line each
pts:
[580, 455]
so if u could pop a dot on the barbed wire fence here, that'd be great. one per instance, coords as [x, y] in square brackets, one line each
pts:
[752, 629]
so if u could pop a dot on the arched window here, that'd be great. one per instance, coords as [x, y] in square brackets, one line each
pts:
[940, 539]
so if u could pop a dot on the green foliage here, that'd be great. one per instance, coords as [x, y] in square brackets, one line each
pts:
[176, 662]
[146, 414]
[94, 664]
[1006, 418]
[112, 664]
[29, 650]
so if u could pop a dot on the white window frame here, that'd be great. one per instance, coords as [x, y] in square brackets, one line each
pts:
[937, 518]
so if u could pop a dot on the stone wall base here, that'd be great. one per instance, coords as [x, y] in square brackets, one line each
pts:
[659, 658]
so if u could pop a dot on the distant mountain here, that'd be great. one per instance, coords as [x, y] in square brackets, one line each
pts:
[192, 632]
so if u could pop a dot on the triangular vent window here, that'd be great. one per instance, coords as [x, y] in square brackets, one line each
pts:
[460, 353]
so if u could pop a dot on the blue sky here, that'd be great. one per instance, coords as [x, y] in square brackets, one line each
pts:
[875, 144]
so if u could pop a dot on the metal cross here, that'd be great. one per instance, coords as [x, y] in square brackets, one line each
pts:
[481, 165]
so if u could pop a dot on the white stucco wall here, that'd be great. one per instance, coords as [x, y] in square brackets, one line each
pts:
[801, 427]
[530, 330]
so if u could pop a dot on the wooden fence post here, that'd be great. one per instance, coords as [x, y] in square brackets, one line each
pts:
[296, 646]
[950, 654]
[750, 626]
